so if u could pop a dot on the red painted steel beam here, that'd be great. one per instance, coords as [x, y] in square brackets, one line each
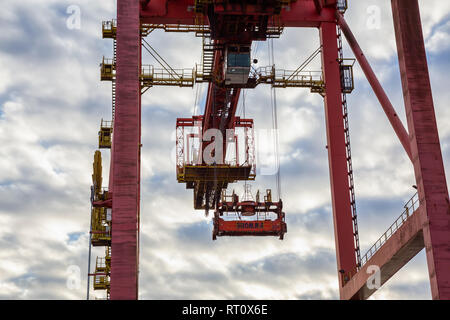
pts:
[342, 215]
[234, 104]
[425, 146]
[125, 154]
[216, 95]
[400, 248]
[139, 172]
[395, 121]
[319, 5]
[144, 3]
[302, 13]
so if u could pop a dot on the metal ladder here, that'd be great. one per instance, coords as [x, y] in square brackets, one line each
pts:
[114, 81]
[207, 58]
[349, 158]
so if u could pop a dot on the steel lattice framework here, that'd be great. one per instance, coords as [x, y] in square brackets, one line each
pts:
[426, 223]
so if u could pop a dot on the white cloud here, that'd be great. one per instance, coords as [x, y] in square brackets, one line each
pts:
[51, 102]
[440, 39]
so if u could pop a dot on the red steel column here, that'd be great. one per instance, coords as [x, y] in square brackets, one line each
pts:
[139, 170]
[343, 223]
[425, 147]
[125, 157]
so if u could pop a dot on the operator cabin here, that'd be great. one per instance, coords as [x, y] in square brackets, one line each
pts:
[237, 64]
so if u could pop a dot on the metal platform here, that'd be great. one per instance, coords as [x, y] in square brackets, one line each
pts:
[223, 173]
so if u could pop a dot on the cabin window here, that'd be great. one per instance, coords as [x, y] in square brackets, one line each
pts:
[238, 60]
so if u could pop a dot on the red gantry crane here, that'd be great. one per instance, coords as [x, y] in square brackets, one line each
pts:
[207, 165]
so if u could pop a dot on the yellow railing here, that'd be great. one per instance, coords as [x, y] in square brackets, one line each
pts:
[288, 78]
[188, 77]
[101, 227]
[107, 70]
[199, 28]
[105, 134]
[151, 76]
[109, 29]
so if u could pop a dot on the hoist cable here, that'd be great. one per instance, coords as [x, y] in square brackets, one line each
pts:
[243, 115]
[273, 97]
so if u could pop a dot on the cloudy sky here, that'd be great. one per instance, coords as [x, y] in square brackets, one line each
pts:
[51, 103]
